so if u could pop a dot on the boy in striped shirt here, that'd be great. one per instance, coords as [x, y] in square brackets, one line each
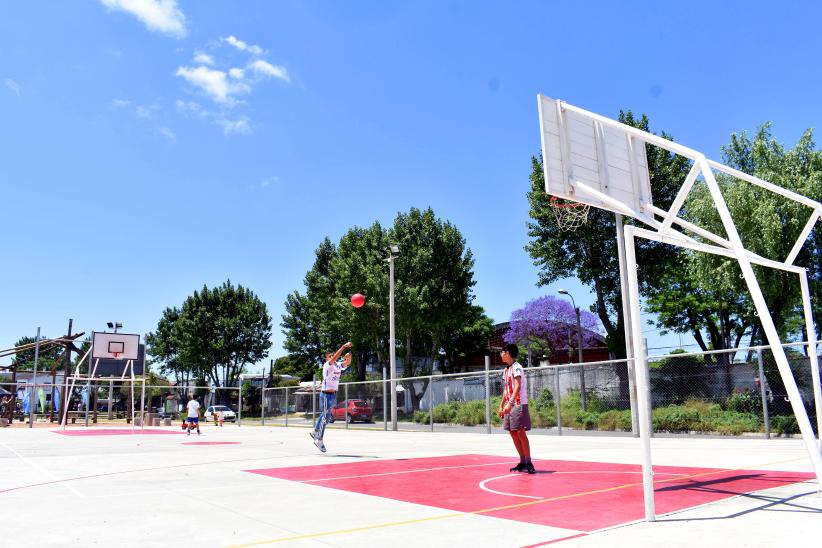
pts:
[513, 409]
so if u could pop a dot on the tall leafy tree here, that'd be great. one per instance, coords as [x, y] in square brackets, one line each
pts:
[435, 316]
[214, 335]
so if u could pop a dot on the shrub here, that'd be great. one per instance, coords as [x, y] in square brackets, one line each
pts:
[587, 419]
[543, 401]
[616, 420]
[784, 425]
[676, 418]
[744, 402]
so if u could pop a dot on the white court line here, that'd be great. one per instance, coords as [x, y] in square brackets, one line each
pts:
[43, 470]
[402, 472]
[484, 488]
[488, 489]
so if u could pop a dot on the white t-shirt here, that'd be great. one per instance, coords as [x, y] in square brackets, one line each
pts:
[331, 376]
[193, 408]
[508, 375]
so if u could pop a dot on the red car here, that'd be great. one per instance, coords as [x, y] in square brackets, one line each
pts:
[358, 410]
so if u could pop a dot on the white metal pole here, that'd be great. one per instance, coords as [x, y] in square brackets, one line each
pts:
[431, 400]
[384, 400]
[810, 329]
[626, 320]
[345, 388]
[583, 395]
[641, 370]
[32, 395]
[488, 393]
[240, 401]
[143, 391]
[391, 344]
[766, 419]
[765, 319]
[286, 406]
[557, 400]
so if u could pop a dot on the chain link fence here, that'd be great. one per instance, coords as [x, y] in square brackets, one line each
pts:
[733, 392]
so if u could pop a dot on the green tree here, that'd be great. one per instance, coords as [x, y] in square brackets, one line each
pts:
[434, 312]
[214, 335]
[293, 365]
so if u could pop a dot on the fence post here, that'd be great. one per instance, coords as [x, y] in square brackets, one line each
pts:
[240, 401]
[557, 400]
[286, 406]
[384, 400]
[431, 401]
[33, 396]
[764, 396]
[488, 393]
[262, 402]
[345, 393]
[313, 399]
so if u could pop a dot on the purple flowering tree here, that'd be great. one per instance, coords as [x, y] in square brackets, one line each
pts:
[547, 324]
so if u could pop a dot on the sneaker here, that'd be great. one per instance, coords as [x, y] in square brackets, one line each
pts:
[319, 443]
[188, 432]
[518, 468]
[198, 432]
[313, 434]
[529, 468]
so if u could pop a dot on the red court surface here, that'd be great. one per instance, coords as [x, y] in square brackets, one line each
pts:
[585, 496]
[211, 443]
[113, 432]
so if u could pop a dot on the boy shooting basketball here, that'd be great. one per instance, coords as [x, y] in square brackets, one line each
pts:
[332, 370]
[513, 409]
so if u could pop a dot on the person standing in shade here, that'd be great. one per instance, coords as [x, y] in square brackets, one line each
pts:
[193, 417]
[513, 409]
[332, 369]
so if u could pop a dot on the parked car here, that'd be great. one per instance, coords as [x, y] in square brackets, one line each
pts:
[227, 413]
[358, 410]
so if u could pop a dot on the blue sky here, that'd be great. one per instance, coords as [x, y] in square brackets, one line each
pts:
[151, 147]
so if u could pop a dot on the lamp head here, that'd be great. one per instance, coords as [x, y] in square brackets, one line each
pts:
[563, 292]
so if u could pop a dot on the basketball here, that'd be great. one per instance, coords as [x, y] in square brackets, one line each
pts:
[357, 300]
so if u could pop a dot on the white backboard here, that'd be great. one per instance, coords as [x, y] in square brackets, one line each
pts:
[106, 345]
[592, 161]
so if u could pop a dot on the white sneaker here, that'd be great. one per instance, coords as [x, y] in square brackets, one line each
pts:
[313, 434]
[319, 443]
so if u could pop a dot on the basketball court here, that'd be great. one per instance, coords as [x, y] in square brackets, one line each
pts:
[258, 486]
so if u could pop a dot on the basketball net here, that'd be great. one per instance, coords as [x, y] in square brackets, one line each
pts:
[570, 215]
[116, 355]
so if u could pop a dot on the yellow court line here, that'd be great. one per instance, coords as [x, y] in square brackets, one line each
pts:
[498, 508]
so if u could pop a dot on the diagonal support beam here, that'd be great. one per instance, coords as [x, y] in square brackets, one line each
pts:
[767, 322]
[817, 214]
[684, 190]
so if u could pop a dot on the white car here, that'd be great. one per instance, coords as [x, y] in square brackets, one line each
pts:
[227, 413]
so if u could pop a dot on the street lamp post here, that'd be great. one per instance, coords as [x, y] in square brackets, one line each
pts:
[393, 253]
[583, 398]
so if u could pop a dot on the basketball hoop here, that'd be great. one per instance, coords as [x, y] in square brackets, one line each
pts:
[570, 215]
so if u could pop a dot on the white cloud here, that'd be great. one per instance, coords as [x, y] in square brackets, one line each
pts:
[12, 85]
[242, 46]
[203, 58]
[215, 83]
[238, 126]
[191, 108]
[160, 15]
[264, 68]
[236, 73]
[145, 112]
[120, 103]
[167, 133]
